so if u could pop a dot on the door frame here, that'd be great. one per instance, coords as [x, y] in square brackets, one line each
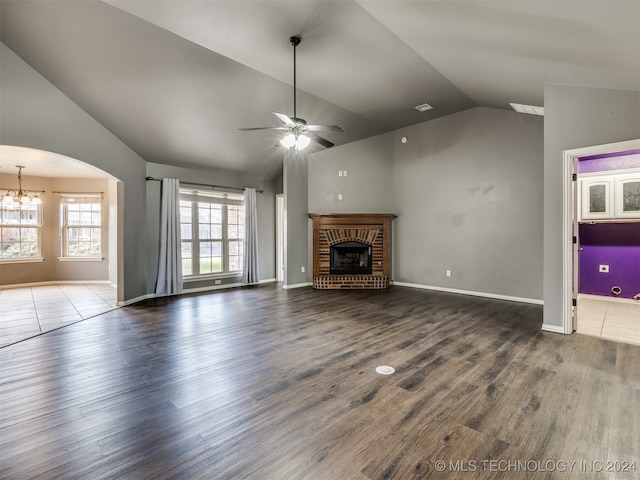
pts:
[280, 256]
[569, 200]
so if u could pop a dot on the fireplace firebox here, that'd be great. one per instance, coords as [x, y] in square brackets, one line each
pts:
[350, 258]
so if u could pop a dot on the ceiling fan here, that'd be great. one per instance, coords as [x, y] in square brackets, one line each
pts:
[298, 133]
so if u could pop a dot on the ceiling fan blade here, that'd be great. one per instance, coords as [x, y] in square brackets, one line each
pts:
[264, 128]
[325, 128]
[322, 141]
[284, 118]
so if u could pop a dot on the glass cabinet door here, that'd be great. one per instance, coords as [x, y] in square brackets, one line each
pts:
[596, 199]
[627, 196]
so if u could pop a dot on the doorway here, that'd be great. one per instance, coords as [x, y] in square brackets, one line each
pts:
[280, 256]
[592, 309]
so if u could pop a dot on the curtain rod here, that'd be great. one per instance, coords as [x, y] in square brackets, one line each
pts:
[201, 184]
[78, 193]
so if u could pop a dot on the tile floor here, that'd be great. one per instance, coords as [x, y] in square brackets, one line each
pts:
[614, 320]
[26, 312]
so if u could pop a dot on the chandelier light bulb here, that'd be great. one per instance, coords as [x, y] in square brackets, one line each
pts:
[302, 142]
[289, 140]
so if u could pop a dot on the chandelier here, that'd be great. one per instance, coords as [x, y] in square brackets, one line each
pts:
[20, 196]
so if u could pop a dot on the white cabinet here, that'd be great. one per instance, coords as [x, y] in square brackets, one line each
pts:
[609, 196]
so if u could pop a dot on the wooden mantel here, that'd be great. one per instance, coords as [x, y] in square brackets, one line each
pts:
[373, 229]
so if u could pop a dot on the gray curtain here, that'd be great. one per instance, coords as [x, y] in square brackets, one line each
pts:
[250, 273]
[170, 258]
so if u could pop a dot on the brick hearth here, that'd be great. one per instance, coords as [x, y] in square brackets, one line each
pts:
[371, 229]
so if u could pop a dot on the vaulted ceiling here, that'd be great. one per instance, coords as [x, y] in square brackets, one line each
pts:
[176, 80]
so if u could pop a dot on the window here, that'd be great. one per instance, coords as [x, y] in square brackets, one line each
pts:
[81, 221]
[212, 232]
[20, 231]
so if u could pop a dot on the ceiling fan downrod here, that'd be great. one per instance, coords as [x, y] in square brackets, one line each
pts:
[295, 41]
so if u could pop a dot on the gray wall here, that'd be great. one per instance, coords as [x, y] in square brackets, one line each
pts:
[365, 189]
[467, 189]
[575, 117]
[296, 230]
[266, 217]
[33, 113]
[468, 194]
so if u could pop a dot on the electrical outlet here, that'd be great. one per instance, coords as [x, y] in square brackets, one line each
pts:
[344, 174]
[339, 173]
[603, 268]
[217, 282]
[448, 273]
[302, 269]
[339, 196]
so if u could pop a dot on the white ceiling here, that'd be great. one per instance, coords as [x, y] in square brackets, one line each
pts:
[37, 163]
[175, 80]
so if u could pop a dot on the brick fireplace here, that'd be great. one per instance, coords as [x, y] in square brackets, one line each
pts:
[351, 242]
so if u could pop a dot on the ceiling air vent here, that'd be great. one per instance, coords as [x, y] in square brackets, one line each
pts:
[528, 109]
[424, 107]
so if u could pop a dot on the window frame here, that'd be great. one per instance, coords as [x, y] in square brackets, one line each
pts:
[67, 199]
[36, 227]
[225, 199]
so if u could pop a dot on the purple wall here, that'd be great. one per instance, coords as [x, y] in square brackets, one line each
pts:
[613, 244]
[610, 161]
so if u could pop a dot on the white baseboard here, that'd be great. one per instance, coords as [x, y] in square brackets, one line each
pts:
[534, 301]
[552, 328]
[57, 282]
[298, 285]
[135, 300]
[211, 287]
[191, 290]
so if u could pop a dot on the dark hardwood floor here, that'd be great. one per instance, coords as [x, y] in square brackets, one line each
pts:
[266, 383]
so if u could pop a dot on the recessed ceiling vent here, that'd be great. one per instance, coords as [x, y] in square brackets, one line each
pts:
[528, 109]
[424, 107]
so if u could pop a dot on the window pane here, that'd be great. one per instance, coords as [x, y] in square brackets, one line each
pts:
[10, 216]
[204, 231]
[185, 231]
[204, 213]
[216, 214]
[83, 242]
[186, 266]
[235, 255]
[185, 213]
[18, 242]
[187, 259]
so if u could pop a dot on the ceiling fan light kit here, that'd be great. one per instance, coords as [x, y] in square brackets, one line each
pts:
[300, 142]
[297, 132]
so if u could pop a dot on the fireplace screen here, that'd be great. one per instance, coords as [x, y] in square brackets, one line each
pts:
[350, 258]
